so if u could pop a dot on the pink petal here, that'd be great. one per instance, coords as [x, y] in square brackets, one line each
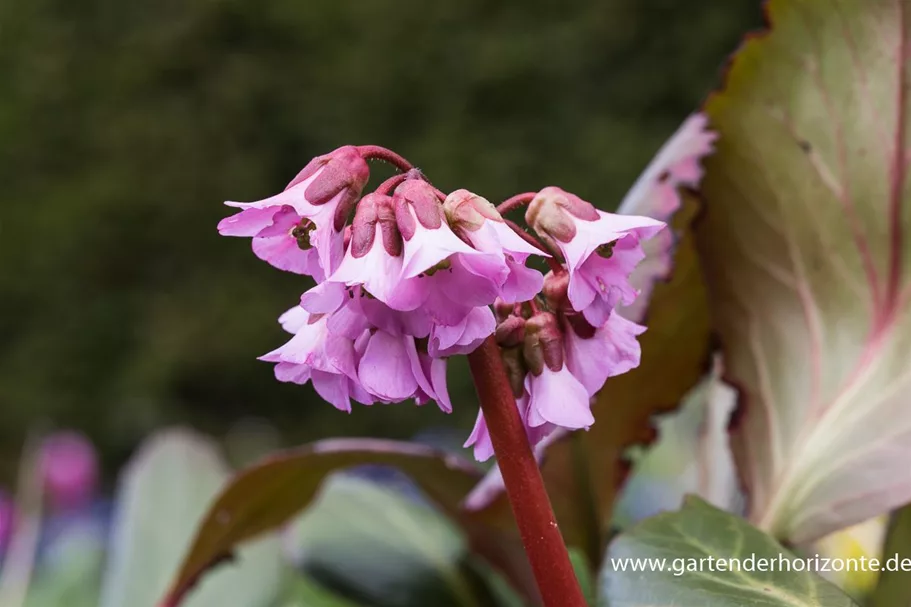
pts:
[333, 388]
[427, 248]
[558, 398]
[440, 388]
[480, 440]
[612, 350]
[464, 337]
[385, 369]
[379, 272]
[325, 298]
[248, 222]
[290, 372]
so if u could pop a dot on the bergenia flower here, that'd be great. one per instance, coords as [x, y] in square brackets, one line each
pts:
[300, 230]
[441, 273]
[68, 465]
[556, 396]
[600, 249]
[477, 221]
[314, 355]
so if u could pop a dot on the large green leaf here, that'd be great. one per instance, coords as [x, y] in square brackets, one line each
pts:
[162, 495]
[381, 547]
[805, 248]
[265, 496]
[665, 561]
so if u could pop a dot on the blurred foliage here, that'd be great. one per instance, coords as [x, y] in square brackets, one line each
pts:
[123, 125]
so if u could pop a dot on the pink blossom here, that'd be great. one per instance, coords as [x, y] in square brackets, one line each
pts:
[600, 249]
[463, 337]
[69, 468]
[314, 355]
[557, 398]
[7, 520]
[441, 273]
[480, 434]
[479, 223]
[610, 350]
[300, 230]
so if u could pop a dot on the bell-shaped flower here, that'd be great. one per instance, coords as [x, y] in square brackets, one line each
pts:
[477, 221]
[315, 355]
[556, 396]
[463, 337]
[374, 257]
[308, 216]
[441, 273]
[595, 354]
[600, 249]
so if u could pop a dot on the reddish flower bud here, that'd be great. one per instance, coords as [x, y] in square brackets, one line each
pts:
[422, 197]
[468, 211]
[511, 332]
[543, 343]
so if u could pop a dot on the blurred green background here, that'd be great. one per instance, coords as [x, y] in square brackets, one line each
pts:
[125, 123]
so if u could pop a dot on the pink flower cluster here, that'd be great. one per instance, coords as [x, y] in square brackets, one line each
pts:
[410, 280]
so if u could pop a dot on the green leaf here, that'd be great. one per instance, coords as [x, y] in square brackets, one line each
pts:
[265, 496]
[680, 543]
[72, 574]
[162, 495]
[893, 589]
[376, 545]
[806, 251]
[305, 592]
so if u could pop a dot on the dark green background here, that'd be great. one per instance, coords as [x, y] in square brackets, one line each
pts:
[125, 123]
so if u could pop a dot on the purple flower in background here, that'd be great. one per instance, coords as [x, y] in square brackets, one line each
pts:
[68, 465]
[7, 520]
[300, 230]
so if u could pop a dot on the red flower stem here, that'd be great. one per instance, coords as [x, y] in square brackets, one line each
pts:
[531, 507]
[391, 183]
[381, 153]
[515, 202]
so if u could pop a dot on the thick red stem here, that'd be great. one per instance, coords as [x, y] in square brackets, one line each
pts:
[381, 153]
[531, 507]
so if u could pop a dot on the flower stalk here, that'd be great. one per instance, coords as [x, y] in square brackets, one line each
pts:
[530, 504]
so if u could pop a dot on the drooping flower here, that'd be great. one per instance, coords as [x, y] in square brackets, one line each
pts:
[548, 394]
[68, 466]
[595, 354]
[600, 249]
[362, 349]
[441, 273]
[314, 355]
[300, 229]
[477, 221]
[404, 254]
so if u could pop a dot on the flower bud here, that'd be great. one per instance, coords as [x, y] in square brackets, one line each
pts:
[543, 343]
[468, 211]
[515, 369]
[511, 332]
[422, 198]
[503, 309]
[342, 171]
[555, 289]
[551, 214]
